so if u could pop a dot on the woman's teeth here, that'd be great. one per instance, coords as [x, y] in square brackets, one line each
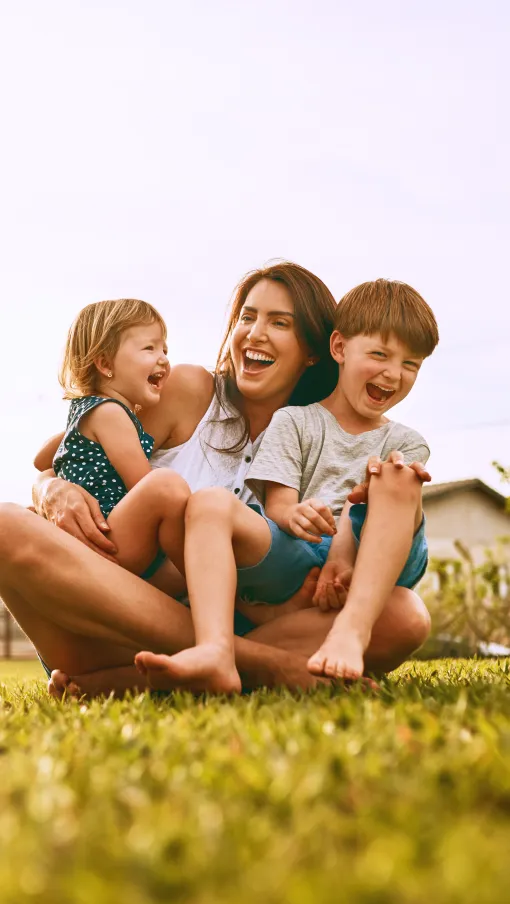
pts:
[259, 356]
[256, 362]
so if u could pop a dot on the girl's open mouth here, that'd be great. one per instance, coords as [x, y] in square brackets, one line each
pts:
[378, 394]
[255, 362]
[156, 379]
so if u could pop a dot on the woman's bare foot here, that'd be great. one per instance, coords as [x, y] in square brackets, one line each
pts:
[61, 685]
[341, 654]
[198, 669]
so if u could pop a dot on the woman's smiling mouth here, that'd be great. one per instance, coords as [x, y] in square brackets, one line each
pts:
[254, 361]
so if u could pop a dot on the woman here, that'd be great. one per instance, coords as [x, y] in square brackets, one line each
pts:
[86, 615]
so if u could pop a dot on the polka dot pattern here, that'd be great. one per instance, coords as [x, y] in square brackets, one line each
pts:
[83, 461]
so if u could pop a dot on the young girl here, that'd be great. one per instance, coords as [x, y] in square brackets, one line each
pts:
[115, 363]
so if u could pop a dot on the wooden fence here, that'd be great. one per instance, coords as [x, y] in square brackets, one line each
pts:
[13, 643]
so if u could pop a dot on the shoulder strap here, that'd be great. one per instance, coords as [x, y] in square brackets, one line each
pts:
[80, 407]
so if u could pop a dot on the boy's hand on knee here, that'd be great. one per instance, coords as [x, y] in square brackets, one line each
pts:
[359, 493]
[333, 586]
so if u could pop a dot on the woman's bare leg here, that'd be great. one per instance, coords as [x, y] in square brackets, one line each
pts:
[102, 682]
[74, 605]
[402, 628]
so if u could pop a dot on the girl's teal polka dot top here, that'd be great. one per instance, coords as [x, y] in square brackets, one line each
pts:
[83, 461]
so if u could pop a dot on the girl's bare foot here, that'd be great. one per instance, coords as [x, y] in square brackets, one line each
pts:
[340, 656]
[198, 669]
[61, 685]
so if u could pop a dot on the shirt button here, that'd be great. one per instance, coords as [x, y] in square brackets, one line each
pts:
[248, 458]
[237, 490]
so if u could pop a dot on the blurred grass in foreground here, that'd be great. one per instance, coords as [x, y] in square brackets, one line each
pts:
[306, 799]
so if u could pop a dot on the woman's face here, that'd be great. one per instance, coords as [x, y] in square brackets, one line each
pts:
[268, 356]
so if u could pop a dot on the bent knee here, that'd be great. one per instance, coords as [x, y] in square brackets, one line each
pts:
[415, 623]
[209, 501]
[170, 483]
[15, 523]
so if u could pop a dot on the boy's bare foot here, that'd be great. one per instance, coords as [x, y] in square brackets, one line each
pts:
[60, 685]
[340, 656]
[198, 669]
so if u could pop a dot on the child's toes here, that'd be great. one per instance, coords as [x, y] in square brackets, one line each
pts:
[334, 669]
[316, 664]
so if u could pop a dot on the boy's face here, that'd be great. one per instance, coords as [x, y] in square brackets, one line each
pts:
[375, 373]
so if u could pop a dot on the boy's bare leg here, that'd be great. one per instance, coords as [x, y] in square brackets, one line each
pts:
[220, 532]
[394, 514]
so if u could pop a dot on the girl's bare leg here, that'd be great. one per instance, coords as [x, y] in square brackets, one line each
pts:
[220, 532]
[151, 517]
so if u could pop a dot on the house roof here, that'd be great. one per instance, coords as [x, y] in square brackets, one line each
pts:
[435, 490]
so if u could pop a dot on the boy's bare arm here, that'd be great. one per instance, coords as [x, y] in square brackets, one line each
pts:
[308, 519]
[335, 577]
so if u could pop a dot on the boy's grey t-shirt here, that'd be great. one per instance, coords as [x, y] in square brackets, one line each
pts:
[305, 448]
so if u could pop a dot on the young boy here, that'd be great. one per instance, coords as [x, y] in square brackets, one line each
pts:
[311, 457]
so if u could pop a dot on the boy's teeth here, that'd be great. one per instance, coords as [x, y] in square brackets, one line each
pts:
[379, 393]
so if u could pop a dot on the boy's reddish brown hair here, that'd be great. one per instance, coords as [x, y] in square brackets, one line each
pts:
[387, 306]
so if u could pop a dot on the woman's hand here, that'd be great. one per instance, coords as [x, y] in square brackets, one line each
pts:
[333, 586]
[360, 492]
[311, 518]
[70, 507]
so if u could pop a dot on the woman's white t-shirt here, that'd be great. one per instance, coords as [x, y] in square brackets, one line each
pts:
[199, 462]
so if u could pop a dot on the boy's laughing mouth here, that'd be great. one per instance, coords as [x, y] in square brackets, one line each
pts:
[379, 393]
[254, 361]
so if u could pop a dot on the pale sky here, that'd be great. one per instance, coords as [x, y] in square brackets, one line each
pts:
[160, 149]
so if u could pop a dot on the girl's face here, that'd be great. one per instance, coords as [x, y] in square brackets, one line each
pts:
[267, 354]
[140, 367]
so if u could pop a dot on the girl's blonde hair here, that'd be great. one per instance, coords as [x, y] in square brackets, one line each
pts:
[95, 333]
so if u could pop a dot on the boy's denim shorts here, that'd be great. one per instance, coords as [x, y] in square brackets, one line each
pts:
[287, 562]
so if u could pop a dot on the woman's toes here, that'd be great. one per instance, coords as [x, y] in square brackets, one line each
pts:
[58, 684]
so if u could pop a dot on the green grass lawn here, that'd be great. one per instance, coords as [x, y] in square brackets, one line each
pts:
[324, 797]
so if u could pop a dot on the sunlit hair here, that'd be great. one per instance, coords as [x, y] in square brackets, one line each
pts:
[96, 333]
[314, 310]
[386, 306]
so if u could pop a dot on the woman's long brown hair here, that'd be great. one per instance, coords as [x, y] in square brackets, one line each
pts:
[314, 309]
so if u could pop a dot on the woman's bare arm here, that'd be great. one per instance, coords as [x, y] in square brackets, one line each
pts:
[70, 507]
[185, 398]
